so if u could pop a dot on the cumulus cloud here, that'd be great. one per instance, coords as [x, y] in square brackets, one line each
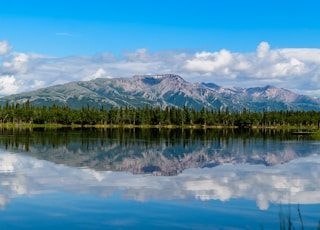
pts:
[300, 67]
[265, 63]
[4, 47]
[263, 49]
[208, 63]
[9, 85]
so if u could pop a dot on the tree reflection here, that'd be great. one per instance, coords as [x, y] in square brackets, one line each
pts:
[157, 151]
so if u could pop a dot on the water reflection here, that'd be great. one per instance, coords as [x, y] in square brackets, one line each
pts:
[293, 182]
[100, 179]
[158, 152]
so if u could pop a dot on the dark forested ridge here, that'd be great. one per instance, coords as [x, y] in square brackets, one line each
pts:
[25, 113]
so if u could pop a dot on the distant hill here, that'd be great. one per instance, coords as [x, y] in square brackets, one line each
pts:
[164, 90]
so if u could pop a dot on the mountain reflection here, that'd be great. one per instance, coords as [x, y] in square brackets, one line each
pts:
[294, 182]
[165, 152]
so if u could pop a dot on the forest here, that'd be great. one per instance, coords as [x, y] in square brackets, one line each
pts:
[25, 113]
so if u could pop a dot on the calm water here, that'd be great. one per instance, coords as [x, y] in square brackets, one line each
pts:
[158, 179]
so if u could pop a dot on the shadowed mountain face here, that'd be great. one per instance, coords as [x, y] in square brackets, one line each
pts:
[153, 151]
[164, 90]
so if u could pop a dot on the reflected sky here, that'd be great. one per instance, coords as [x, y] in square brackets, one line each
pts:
[295, 182]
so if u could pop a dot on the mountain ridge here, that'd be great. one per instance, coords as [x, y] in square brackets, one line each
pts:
[163, 90]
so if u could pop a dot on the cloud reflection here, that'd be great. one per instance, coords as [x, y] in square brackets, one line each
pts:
[293, 182]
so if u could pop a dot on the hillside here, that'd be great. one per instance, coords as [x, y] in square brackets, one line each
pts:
[163, 90]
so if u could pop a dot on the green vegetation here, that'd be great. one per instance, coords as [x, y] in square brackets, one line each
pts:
[59, 116]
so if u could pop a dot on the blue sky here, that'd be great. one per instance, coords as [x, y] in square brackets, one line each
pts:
[88, 27]
[40, 35]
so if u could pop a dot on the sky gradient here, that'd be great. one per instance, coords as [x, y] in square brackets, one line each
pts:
[240, 43]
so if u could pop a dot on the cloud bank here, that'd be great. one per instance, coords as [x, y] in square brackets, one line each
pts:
[296, 69]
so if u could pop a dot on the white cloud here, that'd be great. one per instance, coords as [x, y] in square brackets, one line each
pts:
[140, 55]
[265, 66]
[265, 63]
[4, 47]
[18, 63]
[300, 67]
[263, 49]
[206, 62]
[9, 85]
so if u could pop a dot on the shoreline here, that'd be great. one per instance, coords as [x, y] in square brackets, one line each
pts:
[300, 129]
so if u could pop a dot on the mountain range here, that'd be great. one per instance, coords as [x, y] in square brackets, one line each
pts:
[163, 90]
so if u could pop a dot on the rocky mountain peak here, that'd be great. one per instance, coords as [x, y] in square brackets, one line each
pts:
[211, 86]
[272, 93]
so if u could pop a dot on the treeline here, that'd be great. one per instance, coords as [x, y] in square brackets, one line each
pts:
[25, 113]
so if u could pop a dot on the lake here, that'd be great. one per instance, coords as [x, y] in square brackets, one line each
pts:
[158, 179]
